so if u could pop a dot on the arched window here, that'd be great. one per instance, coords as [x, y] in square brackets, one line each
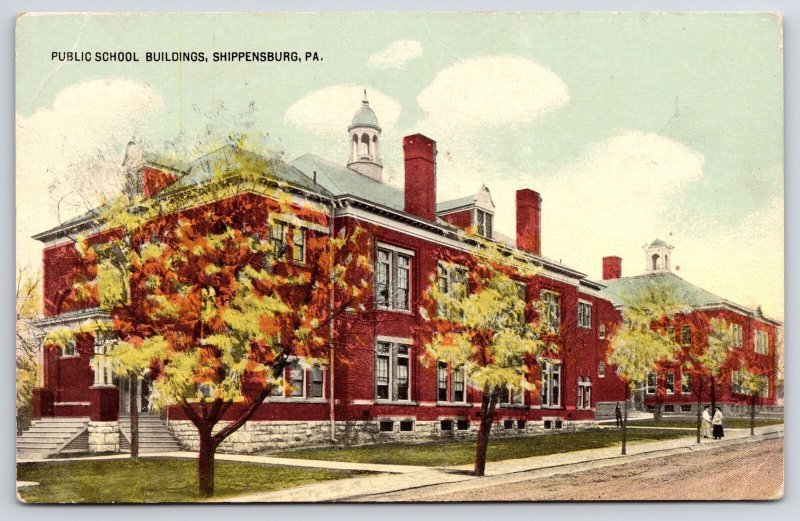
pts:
[655, 261]
[354, 153]
[363, 149]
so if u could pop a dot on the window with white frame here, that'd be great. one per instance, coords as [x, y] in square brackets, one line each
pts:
[601, 332]
[551, 384]
[736, 332]
[393, 279]
[299, 244]
[70, 348]
[392, 371]
[584, 314]
[761, 342]
[452, 280]
[451, 384]
[669, 383]
[483, 222]
[277, 239]
[601, 370]
[686, 383]
[552, 310]
[512, 397]
[584, 393]
[650, 387]
[304, 382]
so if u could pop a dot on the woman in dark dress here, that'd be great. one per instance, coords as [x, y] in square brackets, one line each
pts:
[716, 422]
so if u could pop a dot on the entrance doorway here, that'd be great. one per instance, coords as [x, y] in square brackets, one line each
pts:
[142, 397]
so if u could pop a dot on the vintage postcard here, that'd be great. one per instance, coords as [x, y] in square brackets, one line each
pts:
[399, 257]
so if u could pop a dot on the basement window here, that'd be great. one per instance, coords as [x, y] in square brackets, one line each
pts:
[386, 426]
[686, 408]
[462, 425]
[559, 424]
[508, 424]
[669, 408]
[407, 426]
[446, 425]
[521, 424]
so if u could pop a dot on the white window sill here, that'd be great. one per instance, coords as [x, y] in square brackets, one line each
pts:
[394, 310]
[513, 406]
[280, 399]
[454, 404]
[395, 402]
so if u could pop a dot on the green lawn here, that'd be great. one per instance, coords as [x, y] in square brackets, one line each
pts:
[155, 480]
[452, 452]
[733, 423]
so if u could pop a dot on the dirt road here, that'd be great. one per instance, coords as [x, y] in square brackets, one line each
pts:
[740, 472]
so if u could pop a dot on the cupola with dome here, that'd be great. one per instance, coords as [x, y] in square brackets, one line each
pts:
[364, 131]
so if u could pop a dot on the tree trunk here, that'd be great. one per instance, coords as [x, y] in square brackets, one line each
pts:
[134, 401]
[488, 403]
[205, 463]
[625, 426]
[753, 415]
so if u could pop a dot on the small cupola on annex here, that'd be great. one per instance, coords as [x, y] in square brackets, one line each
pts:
[658, 256]
[365, 152]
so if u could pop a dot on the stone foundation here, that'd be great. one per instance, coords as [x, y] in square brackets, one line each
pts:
[267, 436]
[103, 436]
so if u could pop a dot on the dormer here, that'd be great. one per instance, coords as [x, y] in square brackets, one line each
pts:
[474, 211]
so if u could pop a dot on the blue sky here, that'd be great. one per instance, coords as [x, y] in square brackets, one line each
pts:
[631, 126]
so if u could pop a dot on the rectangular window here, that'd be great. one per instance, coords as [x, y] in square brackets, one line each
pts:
[686, 336]
[601, 331]
[552, 311]
[441, 381]
[584, 315]
[459, 394]
[386, 426]
[392, 371]
[669, 408]
[382, 357]
[297, 375]
[651, 384]
[393, 280]
[736, 331]
[761, 342]
[508, 424]
[446, 425]
[277, 239]
[462, 425]
[551, 384]
[299, 245]
[483, 221]
[669, 383]
[686, 383]
[317, 378]
[407, 426]
[601, 370]
[686, 408]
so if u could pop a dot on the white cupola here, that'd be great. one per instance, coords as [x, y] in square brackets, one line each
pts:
[365, 152]
[658, 256]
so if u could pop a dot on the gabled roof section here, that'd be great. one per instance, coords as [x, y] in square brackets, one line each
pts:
[692, 295]
[481, 199]
[340, 180]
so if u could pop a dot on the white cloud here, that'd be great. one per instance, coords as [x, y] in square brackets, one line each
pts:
[72, 150]
[327, 112]
[489, 91]
[396, 55]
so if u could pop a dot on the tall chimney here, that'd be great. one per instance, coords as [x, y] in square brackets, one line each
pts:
[529, 221]
[612, 268]
[420, 185]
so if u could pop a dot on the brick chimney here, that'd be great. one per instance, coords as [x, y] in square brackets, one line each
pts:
[420, 184]
[529, 221]
[612, 268]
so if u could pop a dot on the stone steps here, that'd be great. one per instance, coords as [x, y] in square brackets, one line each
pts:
[154, 435]
[48, 436]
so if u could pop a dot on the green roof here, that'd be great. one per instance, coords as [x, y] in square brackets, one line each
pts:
[658, 242]
[452, 204]
[692, 295]
[340, 180]
[365, 117]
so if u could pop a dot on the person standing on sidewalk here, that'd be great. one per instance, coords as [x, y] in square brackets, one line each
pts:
[719, 433]
[618, 415]
[706, 426]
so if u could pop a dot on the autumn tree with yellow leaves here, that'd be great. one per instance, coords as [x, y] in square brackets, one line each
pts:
[213, 290]
[480, 323]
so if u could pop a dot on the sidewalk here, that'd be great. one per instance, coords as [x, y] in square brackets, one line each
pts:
[405, 486]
